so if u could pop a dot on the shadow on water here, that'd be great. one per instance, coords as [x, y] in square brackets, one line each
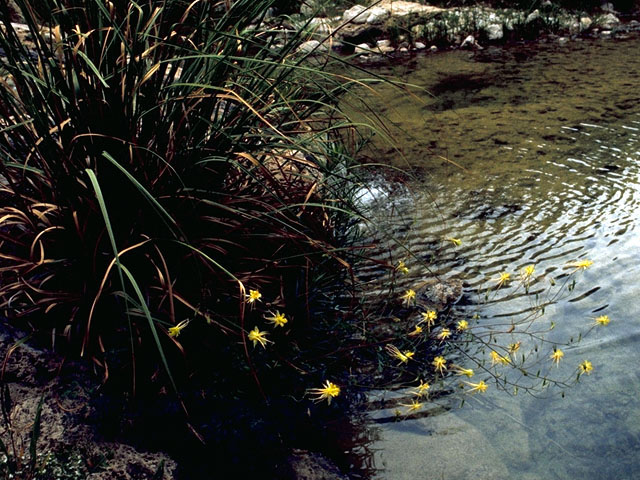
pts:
[530, 155]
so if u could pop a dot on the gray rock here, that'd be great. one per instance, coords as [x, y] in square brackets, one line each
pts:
[439, 293]
[419, 46]
[383, 43]
[608, 7]
[356, 14]
[495, 32]
[313, 466]
[468, 42]
[377, 15]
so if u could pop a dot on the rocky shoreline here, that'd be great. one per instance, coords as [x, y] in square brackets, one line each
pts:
[389, 28]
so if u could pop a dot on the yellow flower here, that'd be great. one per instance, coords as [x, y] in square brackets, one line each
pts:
[603, 320]
[580, 265]
[462, 325]
[413, 406]
[497, 358]
[462, 371]
[528, 271]
[585, 367]
[421, 389]
[514, 347]
[278, 319]
[444, 334]
[481, 387]
[456, 241]
[404, 357]
[175, 331]
[256, 336]
[328, 391]
[503, 279]
[557, 355]
[429, 318]
[402, 268]
[409, 296]
[440, 364]
[416, 331]
[254, 296]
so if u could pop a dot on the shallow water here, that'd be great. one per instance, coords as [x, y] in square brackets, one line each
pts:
[530, 155]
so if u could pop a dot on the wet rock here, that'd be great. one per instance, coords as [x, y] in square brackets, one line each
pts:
[313, 466]
[439, 293]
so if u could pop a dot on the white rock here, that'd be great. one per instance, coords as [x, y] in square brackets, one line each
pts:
[606, 33]
[383, 43]
[533, 16]
[563, 40]
[404, 49]
[585, 23]
[377, 15]
[362, 49]
[495, 32]
[420, 46]
[468, 42]
[433, 48]
[356, 14]
[312, 46]
[608, 21]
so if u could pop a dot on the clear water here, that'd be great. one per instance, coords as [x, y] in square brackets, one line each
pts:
[530, 155]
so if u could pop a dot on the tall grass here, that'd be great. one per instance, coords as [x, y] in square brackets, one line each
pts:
[159, 160]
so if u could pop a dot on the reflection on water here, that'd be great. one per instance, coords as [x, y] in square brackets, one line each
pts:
[530, 156]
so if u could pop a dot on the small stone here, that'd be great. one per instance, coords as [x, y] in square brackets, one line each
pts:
[495, 32]
[383, 43]
[419, 46]
[608, 21]
[433, 48]
[362, 49]
[356, 14]
[563, 40]
[606, 33]
[608, 7]
[312, 46]
[404, 49]
[468, 42]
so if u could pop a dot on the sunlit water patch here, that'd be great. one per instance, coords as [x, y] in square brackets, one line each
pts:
[531, 156]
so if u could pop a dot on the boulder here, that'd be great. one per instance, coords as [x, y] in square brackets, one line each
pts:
[608, 21]
[377, 15]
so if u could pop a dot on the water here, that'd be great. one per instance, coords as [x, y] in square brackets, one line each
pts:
[530, 155]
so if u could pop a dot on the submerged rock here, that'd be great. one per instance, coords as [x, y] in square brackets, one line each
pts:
[440, 293]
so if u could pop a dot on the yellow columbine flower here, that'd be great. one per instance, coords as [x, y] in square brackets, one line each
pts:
[462, 371]
[444, 334]
[416, 331]
[254, 296]
[421, 389]
[456, 241]
[580, 265]
[402, 268]
[175, 331]
[557, 355]
[528, 271]
[514, 347]
[256, 336]
[404, 357]
[278, 319]
[440, 364]
[462, 325]
[413, 406]
[603, 320]
[585, 367]
[327, 392]
[503, 279]
[409, 296]
[429, 318]
[497, 358]
[481, 387]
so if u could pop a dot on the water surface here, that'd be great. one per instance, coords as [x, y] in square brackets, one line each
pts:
[530, 155]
